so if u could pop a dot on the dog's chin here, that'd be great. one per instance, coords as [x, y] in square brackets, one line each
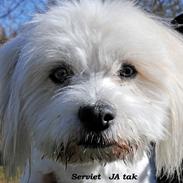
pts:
[91, 150]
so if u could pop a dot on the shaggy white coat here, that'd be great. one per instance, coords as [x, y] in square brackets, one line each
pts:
[95, 38]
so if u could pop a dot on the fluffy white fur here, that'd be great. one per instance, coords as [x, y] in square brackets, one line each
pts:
[95, 38]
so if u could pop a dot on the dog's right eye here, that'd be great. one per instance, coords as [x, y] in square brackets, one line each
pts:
[127, 71]
[61, 74]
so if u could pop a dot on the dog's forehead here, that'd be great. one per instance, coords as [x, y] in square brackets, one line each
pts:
[96, 33]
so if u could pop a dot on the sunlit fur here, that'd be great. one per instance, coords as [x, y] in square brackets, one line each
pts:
[94, 38]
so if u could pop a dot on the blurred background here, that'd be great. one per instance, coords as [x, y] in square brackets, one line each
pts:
[15, 13]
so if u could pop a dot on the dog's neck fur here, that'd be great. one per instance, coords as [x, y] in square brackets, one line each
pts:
[47, 171]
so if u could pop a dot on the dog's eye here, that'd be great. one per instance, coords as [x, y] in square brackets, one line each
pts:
[127, 71]
[61, 74]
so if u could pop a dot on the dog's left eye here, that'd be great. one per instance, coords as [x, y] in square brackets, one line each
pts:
[61, 74]
[127, 71]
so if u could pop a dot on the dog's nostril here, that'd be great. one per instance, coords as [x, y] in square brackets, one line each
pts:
[96, 117]
[108, 117]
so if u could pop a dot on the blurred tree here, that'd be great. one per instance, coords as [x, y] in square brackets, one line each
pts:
[14, 13]
[163, 8]
[3, 37]
[52, 2]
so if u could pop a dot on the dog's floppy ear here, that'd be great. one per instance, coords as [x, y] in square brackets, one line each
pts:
[13, 130]
[169, 152]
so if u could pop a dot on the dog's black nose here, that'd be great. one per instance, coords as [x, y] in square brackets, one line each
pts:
[96, 117]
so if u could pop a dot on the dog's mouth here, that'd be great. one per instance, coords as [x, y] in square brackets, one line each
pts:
[93, 147]
[93, 141]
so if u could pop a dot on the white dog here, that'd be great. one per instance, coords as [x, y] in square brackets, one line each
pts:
[85, 89]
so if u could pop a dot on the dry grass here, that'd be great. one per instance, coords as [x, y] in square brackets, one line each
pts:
[3, 180]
